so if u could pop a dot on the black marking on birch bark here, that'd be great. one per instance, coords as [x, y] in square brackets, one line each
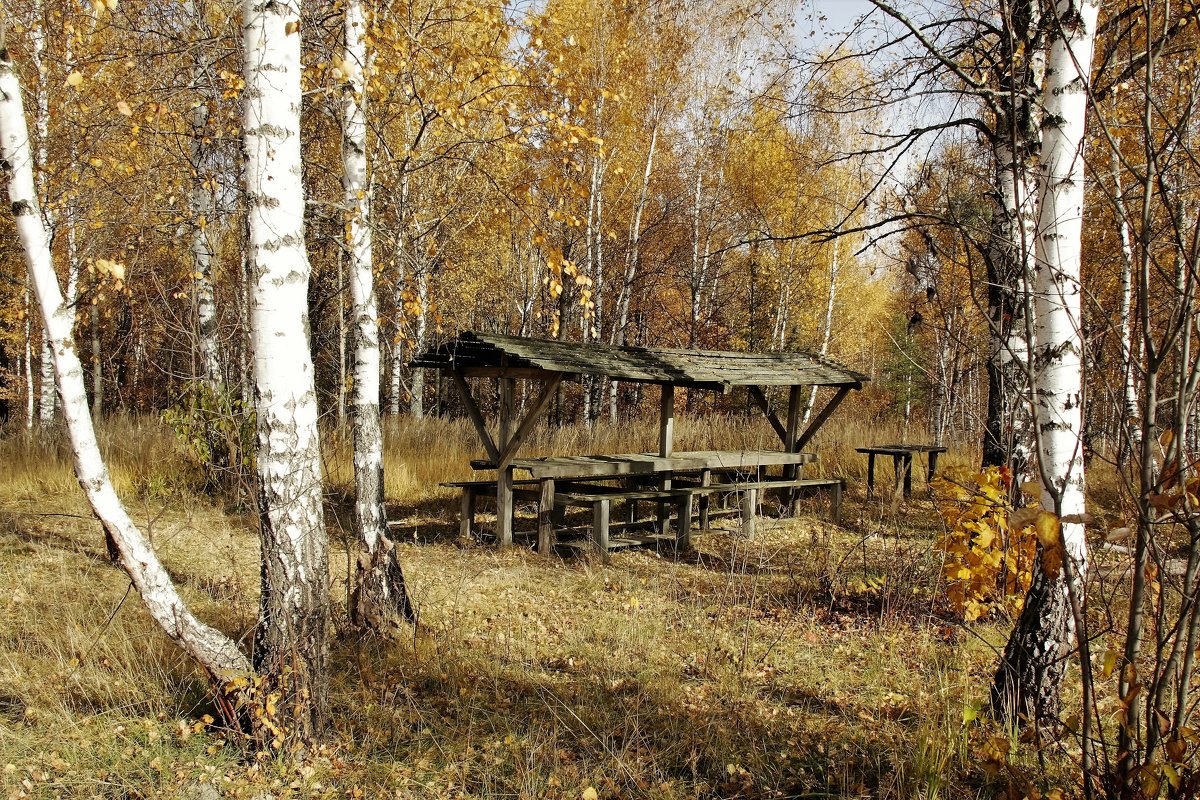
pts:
[22, 208]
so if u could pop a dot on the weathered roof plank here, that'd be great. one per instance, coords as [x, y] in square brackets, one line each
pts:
[645, 364]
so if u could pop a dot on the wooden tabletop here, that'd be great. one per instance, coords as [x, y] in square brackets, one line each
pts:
[644, 463]
[900, 449]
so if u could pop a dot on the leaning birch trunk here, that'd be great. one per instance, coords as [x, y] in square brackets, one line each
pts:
[380, 602]
[46, 400]
[292, 644]
[1031, 670]
[216, 652]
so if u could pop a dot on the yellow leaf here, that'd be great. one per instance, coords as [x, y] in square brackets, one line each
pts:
[75, 79]
[123, 109]
[1110, 663]
[590, 793]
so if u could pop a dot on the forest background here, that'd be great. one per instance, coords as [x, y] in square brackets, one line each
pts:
[664, 174]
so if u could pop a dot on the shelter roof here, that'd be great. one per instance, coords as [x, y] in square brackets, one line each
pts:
[493, 353]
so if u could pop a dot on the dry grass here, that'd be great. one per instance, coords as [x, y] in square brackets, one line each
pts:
[807, 663]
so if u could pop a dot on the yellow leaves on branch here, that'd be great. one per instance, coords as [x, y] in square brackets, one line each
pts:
[989, 548]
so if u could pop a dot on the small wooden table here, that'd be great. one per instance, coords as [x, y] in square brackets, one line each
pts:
[902, 458]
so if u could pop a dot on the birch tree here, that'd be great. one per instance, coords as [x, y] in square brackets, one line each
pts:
[1031, 670]
[216, 652]
[292, 647]
[380, 601]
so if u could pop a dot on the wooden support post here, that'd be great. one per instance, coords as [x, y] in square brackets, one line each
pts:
[514, 442]
[683, 531]
[600, 527]
[793, 426]
[705, 499]
[749, 504]
[504, 506]
[931, 470]
[666, 429]
[908, 459]
[545, 534]
[870, 475]
[466, 514]
[835, 503]
[504, 473]
[476, 417]
[666, 444]
[829, 408]
[760, 399]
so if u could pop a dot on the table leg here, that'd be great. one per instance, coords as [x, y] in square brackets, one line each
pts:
[898, 469]
[664, 510]
[545, 535]
[835, 503]
[466, 513]
[870, 475]
[683, 531]
[504, 507]
[749, 505]
[908, 459]
[705, 499]
[931, 470]
[600, 527]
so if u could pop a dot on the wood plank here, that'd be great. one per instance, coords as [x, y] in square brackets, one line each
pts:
[476, 418]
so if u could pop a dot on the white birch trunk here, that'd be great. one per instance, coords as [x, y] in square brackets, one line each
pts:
[37, 36]
[29, 390]
[380, 601]
[293, 626]
[215, 651]
[1130, 434]
[827, 326]
[200, 245]
[1031, 672]
[1057, 290]
[697, 264]
[416, 403]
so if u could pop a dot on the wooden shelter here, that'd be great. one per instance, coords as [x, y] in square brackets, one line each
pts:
[512, 358]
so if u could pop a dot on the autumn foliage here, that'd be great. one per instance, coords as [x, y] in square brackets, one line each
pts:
[989, 555]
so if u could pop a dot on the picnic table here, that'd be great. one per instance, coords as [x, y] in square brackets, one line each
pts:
[902, 458]
[670, 481]
[582, 480]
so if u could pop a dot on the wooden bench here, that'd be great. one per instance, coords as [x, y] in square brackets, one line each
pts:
[750, 492]
[475, 489]
[599, 498]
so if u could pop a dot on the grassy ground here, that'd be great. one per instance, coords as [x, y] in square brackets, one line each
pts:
[813, 661]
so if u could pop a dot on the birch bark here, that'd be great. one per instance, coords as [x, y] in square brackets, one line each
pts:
[292, 644]
[37, 35]
[380, 602]
[215, 651]
[1008, 435]
[202, 208]
[1031, 671]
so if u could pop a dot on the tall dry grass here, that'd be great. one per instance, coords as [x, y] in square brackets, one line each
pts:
[806, 662]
